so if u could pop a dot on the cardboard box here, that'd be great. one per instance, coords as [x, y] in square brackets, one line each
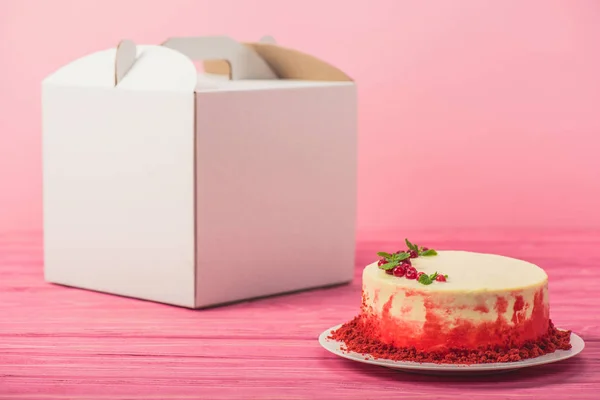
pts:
[192, 189]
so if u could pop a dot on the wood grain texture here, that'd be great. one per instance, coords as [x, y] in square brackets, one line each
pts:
[64, 343]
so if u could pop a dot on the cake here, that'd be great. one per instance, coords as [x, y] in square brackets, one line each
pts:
[425, 305]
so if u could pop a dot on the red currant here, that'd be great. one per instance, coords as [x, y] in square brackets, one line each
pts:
[413, 254]
[389, 271]
[399, 271]
[440, 278]
[381, 262]
[411, 274]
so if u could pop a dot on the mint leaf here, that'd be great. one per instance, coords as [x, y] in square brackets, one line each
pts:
[433, 276]
[411, 246]
[401, 256]
[429, 252]
[384, 254]
[390, 265]
[425, 279]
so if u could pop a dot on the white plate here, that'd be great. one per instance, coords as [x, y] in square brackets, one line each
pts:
[431, 368]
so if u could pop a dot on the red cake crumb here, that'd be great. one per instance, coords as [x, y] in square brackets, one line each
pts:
[356, 338]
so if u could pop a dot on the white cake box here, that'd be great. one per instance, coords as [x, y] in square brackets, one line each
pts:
[166, 184]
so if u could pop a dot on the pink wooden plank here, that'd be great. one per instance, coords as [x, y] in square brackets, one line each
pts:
[62, 343]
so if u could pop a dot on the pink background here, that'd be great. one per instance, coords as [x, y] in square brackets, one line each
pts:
[472, 113]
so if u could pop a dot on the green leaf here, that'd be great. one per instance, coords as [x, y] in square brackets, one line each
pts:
[430, 252]
[433, 276]
[411, 246]
[384, 254]
[425, 279]
[388, 266]
[401, 256]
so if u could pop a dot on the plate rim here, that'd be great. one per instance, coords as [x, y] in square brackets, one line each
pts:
[413, 365]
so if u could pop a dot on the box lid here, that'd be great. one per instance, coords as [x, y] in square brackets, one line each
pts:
[286, 63]
[230, 65]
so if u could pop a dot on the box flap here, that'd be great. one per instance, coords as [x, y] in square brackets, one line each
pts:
[129, 67]
[242, 61]
[286, 63]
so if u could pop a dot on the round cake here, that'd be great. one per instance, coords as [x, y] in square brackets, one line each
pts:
[452, 306]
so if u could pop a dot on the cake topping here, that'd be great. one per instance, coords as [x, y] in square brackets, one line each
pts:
[399, 271]
[411, 274]
[399, 264]
[428, 279]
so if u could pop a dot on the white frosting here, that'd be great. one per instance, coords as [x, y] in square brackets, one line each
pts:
[467, 272]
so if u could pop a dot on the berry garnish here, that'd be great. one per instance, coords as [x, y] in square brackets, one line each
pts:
[411, 274]
[399, 263]
[399, 271]
[391, 260]
[420, 251]
[428, 279]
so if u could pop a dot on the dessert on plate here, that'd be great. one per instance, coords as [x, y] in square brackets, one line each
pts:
[423, 305]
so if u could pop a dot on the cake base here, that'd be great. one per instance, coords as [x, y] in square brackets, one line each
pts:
[356, 337]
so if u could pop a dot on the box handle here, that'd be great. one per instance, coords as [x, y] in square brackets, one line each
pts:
[124, 59]
[243, 61]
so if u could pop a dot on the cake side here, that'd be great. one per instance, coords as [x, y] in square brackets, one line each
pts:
[478, 311]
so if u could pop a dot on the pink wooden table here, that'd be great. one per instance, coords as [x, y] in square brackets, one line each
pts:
[61, 343]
